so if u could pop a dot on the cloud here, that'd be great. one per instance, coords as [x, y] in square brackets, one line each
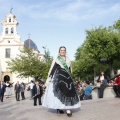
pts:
[66, 10]
[73, 11]
[101, 11]
[62, 10]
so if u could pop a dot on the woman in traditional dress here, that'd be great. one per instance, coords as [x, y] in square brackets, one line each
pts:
[61, 93]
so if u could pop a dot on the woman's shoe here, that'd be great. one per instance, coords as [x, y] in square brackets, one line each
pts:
[69, 113]
[60, 111]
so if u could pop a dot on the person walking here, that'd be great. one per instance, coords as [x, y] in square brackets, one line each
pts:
[61, 93]
[2, 90]
[17, 91]
[102, 80]
[22, 90]
[37, 93]
[31, 89]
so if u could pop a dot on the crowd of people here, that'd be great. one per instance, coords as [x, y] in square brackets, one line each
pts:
[6, 89]
[36, 90]
[84, 90]
[102, 83]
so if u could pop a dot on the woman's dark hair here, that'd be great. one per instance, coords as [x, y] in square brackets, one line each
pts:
[87, 82]
[62, 47]
[22, 83]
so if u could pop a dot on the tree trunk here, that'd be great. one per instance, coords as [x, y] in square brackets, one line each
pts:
[94, 76]
[111, 69]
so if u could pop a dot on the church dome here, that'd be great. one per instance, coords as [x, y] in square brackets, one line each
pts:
[30, 44]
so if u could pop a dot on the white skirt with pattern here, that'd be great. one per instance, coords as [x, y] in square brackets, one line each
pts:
[52, 102]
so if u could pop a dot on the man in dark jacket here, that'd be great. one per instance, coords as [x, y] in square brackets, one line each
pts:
[17, 91]
[37, 93]
[2, 90]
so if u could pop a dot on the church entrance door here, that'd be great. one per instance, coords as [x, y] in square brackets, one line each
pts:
[6, 78]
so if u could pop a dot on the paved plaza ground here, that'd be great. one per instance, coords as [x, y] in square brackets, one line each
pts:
[97, 109]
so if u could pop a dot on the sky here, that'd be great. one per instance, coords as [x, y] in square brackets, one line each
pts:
[55, 23]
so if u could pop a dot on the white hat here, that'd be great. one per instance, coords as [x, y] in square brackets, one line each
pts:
[118, 72]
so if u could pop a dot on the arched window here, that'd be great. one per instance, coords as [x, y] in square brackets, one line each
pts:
[12, 30]
[9, 19]
[6, 31]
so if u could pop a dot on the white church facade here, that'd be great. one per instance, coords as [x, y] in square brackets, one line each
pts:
[10, 44]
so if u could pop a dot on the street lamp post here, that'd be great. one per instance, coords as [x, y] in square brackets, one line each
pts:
[94, 76]
[44, 47]
[103, 60]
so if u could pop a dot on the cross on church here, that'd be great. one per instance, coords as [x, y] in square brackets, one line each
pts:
[29, 36]
[11, 9]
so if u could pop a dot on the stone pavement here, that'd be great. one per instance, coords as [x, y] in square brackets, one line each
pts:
[97, 109]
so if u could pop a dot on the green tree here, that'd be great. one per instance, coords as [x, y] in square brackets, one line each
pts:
[48, 58]
[26, 64]
[103, 43]
[116, 25]
[85, 66]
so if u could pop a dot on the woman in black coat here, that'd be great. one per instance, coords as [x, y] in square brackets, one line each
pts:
[102, 80]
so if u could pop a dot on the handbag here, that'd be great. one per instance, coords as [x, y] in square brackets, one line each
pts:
[28, 89]
[98, 84]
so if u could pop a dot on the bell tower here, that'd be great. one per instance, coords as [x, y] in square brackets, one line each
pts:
[10, 45]
[10, 28]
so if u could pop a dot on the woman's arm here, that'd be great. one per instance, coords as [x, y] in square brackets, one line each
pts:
[98, 80]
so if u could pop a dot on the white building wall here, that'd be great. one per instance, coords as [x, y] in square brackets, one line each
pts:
[14, 51]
